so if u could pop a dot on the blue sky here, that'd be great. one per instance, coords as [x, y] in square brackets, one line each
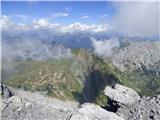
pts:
[133, 18]
[60, 12]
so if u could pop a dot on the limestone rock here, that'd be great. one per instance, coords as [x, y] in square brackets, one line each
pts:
[122, 94]
[90, 111]
[5, 91]
[138, 54]
[130, 106]
[17, 108]
[147, 108]
[31, 106]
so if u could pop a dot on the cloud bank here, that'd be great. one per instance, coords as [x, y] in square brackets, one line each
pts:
[72, 35]
[8, 25]
[105, 48]
[137, 18]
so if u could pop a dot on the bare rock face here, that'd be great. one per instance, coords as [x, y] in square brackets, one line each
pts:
[130, 106]
[5, 91]
[31, 106]
[122, 94]
[146, 108]
[90, 111]
[18, 108]
[136, 54]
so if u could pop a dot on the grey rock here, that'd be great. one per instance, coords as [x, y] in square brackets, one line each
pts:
[90, 111]
[18, 108]
[122, 94]
[31, 106]
[130, 106]
[138, 54]
[147, 108]
[5, 91]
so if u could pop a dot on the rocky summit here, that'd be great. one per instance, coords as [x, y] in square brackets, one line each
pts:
[34, 106]
[23, 105]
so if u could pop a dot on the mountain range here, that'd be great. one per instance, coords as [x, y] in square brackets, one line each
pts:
[81, 74]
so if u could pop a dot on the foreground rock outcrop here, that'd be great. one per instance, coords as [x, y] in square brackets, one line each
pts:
[23, 105]
[90, 111]
[123, 104]
[146, 108]
[17, 108]
[130, 106]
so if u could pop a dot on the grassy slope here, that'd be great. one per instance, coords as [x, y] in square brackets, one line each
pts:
[35, 75]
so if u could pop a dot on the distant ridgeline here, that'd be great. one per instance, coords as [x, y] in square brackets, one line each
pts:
[140, 60]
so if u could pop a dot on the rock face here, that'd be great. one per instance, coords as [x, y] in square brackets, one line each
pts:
[130, 106]
[146, 108]
[17, 108]
[138, 54]
[90, 111]
[31, 106]
[23, 105]
[121, 94]
[6, 92]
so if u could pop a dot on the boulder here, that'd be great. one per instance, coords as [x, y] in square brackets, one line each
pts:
[122, 94]
[90, 111]
[126, 103]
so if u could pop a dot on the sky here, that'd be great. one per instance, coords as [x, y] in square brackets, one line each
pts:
[131, 18]
[60, 12]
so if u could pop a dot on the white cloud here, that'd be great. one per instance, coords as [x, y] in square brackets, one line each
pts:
[137, 18]
[8, 24]
[104, 47]
[88, 28]
[22, 16]
[68, 9]
[41, 22]
[104, 16]
[5, 22]
[59, 14]
[85, 17]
